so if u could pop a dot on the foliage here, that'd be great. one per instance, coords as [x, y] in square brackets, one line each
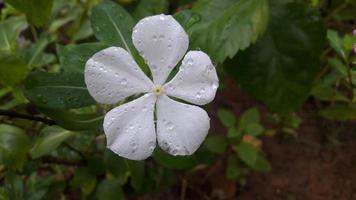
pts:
[283, 53]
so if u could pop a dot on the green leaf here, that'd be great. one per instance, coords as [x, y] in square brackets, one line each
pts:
[75, 121]
[247, 153]
[9, 32]
[174, 162]
[137, 172]
[251, 116]
[57, 91]
[116, 166]
[112, 25]
[14, 145]
[109, 190]
[255, 129]
[227, 118]
[233, 169]
[35, 55]
[84, 180]
[187, 18]
[262, 164]
[150, 7]
[340, 111]
[216, 144]
[38, 12]
[82, 52]
[12, 69]
[227, 26]
[51, 137]
[336, 42]
[280, 68]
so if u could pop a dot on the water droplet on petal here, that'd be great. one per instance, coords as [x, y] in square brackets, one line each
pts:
[123, 82]
[170, 126]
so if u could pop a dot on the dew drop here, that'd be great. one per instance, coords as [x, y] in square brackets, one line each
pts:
[154, 37]
[123, 82]
[214, 85]
[116, 74]
[198, 95]
[170, 126]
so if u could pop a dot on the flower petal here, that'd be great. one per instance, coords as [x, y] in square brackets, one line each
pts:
[196, 81]
[162, 42]
[130, 130]
[112, 75]
[181, 128]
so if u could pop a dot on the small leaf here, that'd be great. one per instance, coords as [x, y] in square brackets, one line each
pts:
[137, 173]
[109, 190]
[57, 91]
[82, 52]
[336, 42]
[150, 7]
[38, 12]
[84, 180]
[9, 32]
[227, 118]
[14, 145]
[74, 121]
[247, 153]
[233, 169]
[12, 69]
[262, 164]
[35, 55]
[112, 25]
[51, 137]
[254, 129]
[216, 144]
[340, 111]
[174, 162]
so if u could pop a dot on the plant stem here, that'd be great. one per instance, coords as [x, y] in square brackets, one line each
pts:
[13, 114]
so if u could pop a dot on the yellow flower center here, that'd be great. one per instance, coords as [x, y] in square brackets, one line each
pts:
[157, 90]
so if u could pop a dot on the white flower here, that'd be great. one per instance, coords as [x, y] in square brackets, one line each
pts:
[112, 75]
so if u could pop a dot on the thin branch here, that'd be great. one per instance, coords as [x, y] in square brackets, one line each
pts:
[60, 161]
[69, 146]
[13, 114]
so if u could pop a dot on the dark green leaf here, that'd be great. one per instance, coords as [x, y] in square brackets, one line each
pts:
[137, 173]
[247, 153]
[74, 57]
[38, 12]
[174, 162]
[254, 129]
[84, 180]
[150, 7]
[74, 121]
[233, 169]
[227, 118]
[336, 42]
[12, 69]
[340, 112]
[112, 25]
[187, 18]
[116, 166]
[51, 137]
[35, 55]
[216, 144]
[227, 26]
[14, 145]
[109, 190]
[57, 91]
[9, 31]
[262, 164]
[280, 68]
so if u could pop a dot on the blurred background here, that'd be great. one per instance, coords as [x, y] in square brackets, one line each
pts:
[282, 123]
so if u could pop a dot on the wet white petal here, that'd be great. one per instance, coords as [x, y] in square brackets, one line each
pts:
[181, 128]
[129, 128]
[196, 81]
[112, 75]
[162, 42]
